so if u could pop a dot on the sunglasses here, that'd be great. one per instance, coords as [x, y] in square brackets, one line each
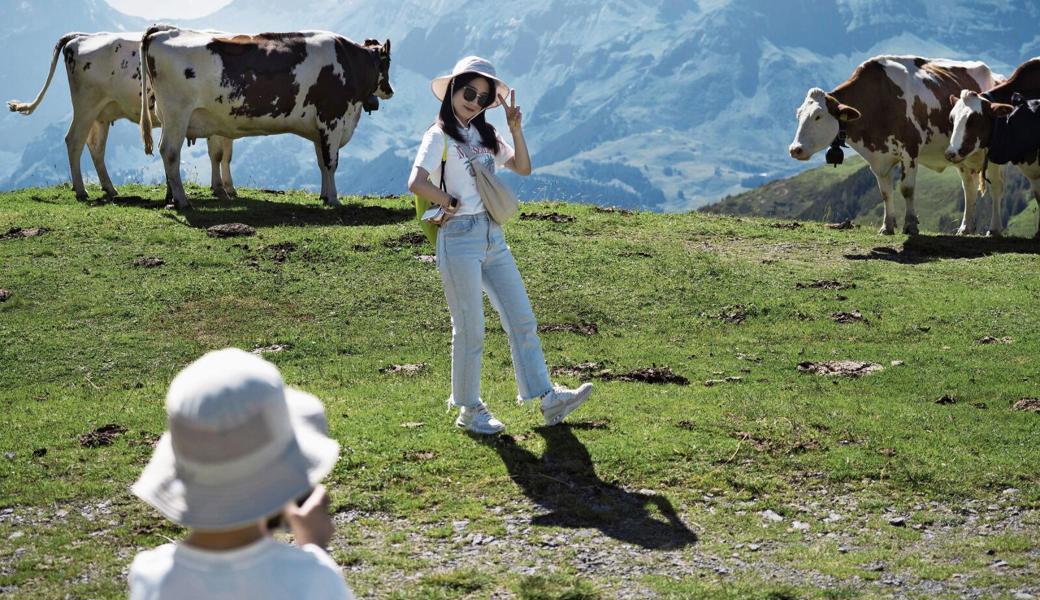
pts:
[470, 94]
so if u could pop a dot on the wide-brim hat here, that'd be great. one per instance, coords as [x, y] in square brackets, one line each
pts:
[225, 462]
[471, 64]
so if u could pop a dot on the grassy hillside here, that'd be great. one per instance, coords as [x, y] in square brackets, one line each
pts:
[850, 191]
[706, 463]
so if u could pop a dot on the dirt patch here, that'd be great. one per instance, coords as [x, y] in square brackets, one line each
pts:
[637, 254]
[361, 248]
[280, 252]
[5, 294]
[590, 424]
[102, 436]
[427, 259]
[848, 317]
[272, 349]
[582, 328]
[714, 382]
[846, 224]
[408, 239]
[686, 424]
[227, 230]
[275, 192]
[844, 368]
[555, 217]
[614, 209]
[419, 455]
[654, 374]
[590, 370]
[989, 339]
[413, 424]
[148, 262]
[1027, 405]
[406, 370]
[736, 314]
[16, 233]
[791, 225]
[825, 284]
[946, 400]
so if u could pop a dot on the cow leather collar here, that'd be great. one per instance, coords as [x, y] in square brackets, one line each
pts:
[835, 154]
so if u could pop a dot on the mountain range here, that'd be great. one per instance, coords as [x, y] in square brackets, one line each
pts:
[655, 104]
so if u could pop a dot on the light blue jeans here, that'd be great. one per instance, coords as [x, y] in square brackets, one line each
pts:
[472, 258]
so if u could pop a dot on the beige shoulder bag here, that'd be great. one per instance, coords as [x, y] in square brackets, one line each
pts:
[499, 201]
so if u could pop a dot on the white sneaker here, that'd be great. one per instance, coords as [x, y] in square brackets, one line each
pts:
[479, 419]
[562, 401]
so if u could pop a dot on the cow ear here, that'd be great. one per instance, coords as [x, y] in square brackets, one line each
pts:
[1001, 110]
[847, 113]
[953, 100]
[842, 112]
[386, 46]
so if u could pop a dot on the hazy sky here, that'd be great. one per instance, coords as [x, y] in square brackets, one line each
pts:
[179, 9]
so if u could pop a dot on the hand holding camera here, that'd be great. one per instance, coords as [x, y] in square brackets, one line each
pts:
[310, 523]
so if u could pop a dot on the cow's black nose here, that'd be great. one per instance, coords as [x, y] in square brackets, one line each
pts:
[951, 155]
[796, 151]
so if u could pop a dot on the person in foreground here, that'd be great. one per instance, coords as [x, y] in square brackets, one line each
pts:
[241, 447]
[472, 254]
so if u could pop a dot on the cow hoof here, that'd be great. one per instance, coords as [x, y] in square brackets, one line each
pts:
[995, 233]
[220, 194]
[962, 230]
[111, 194]
[332, 201]
[82, 197]
[231, 192]
[911, 229]
[887, 231]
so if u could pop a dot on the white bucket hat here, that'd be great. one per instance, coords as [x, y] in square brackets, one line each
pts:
[240, 445]
[471, 64]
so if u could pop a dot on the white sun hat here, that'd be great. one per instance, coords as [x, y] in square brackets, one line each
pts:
[471, 64]
[240, 445]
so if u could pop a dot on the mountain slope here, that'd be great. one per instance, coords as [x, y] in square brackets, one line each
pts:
[850, 192]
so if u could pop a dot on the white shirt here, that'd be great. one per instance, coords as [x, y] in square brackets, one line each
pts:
[460, 182]
[264, 570]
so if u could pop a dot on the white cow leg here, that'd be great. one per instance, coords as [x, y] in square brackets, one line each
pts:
[328, 158]
[996, 194]
[216, 156]
[74, 141]
[884, 181]
[906, 187]
[227, 146]
[969, 184]
[170, 150]
[97, 139]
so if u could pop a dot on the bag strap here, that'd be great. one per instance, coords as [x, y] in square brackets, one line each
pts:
[444, 159]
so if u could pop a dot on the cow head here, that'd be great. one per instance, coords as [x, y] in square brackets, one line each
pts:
[972, 117]
[383, 89]
[819, 119]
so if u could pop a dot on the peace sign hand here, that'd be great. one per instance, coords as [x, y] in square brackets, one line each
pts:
[514, 116]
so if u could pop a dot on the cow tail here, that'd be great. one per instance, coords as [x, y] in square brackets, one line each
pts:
[28, 108]
[146, 115]
[982, 181]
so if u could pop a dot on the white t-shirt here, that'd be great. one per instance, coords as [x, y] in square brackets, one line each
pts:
[264, 570]
[460, 182]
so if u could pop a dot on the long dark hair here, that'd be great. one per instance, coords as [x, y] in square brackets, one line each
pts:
[446, 117]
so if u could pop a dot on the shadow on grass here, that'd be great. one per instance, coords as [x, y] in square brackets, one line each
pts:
[564, 482]
[925, 248]
[261, 213]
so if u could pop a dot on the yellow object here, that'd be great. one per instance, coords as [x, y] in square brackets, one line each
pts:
[422, 204]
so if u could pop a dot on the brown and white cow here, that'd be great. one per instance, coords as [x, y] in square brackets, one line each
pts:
[104, 72]
[974, 116]
[897, 112]
[311, 83]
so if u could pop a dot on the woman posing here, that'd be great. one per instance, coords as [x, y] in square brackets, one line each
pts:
[472, 255]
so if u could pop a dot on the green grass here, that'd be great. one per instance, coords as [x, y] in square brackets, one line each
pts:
[88, 339]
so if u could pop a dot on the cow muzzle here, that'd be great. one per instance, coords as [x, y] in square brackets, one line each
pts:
[952, 155]
[370, 104]
[797, 152]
